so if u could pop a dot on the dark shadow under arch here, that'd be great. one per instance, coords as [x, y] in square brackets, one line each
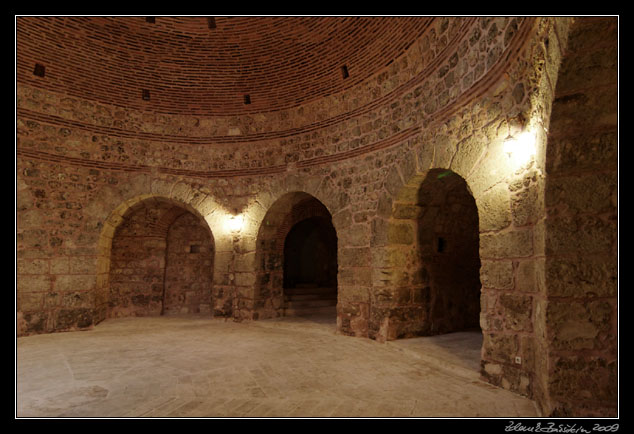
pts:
[448, 244]
[296, 259]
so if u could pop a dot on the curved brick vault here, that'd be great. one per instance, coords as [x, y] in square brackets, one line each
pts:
[189, 68]
[231, 117]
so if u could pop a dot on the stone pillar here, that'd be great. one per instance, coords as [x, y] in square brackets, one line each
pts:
[579, 310]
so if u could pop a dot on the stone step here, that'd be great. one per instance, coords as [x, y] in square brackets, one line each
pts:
[329, 310]
[300, 297]
[310, 290]
[307, 304]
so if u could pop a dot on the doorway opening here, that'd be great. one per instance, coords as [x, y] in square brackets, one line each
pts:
[296, 260]
[310, 268]
[448, 240]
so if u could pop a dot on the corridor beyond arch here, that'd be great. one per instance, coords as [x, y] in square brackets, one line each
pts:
[296, 259]
[448, 246]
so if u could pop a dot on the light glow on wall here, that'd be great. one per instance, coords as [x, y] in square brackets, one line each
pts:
[520, 148]
[234, 223]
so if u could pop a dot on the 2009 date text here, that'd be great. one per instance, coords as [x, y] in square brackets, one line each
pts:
[552, 427]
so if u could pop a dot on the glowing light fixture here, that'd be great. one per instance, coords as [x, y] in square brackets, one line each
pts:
[520, 148]
[234, 223]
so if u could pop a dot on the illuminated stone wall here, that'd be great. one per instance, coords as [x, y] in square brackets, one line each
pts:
[578, 303]
[447, 103]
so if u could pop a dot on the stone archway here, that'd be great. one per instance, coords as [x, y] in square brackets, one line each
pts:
[160, 260]
[429, 267]
[310, 268]
[448, 246]
[293, 220]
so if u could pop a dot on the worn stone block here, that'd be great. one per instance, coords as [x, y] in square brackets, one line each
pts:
[74, 318]
[590, 193]
[245, 279]
[354, 257]
[494, 208]
[379, 229]
[526, 206]
[32, 238]
[585, 152]
[498, 275]
[393, 257]
[78, 300]
[583, 234]
[245, 262]
[32, 266]
[512, 244]
[499, 347]
[82, 264]
[29, 301]
[400, 233]
[584, 378]
[342, 220]
[60, 265]
[579, 325]
[517, 311]
[527, 276]
[71, 283]
[350, 297]
[35, 283]
[355, 236]
[587, 276]
[469, 150]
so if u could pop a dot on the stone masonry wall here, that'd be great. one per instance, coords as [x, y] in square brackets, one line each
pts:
[189, 267]
[447, 103]
[580, 307]
[137, 268]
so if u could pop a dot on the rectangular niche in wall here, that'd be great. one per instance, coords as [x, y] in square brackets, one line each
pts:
[442, 245]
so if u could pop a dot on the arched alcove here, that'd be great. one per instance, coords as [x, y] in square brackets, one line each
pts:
[188, 267]
[310, 268]
[296, 259]
[161, 261]
[448, 248]
[429, 266]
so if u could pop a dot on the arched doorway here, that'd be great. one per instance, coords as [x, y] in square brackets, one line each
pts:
[161, 261]
[310, 268]
[296, 259]
[448, 243]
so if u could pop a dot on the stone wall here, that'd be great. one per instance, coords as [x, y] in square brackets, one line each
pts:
[137, 266]
[447, 103]
[579, 307]
[189, 267]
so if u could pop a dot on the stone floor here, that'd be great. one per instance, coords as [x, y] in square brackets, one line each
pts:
[290, 367]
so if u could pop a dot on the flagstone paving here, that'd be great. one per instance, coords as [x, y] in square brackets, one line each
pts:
[289, 367]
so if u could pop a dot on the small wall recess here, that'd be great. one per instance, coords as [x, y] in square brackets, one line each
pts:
[344, 72]
[247, 99]
[39, 70]
[151, 20]
[442, 245]
[145, 94]
[211, 22]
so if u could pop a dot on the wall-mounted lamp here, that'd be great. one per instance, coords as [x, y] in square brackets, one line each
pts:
[520, 147]
[234, 223]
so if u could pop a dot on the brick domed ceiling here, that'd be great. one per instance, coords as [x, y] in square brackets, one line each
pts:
[198, 65]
